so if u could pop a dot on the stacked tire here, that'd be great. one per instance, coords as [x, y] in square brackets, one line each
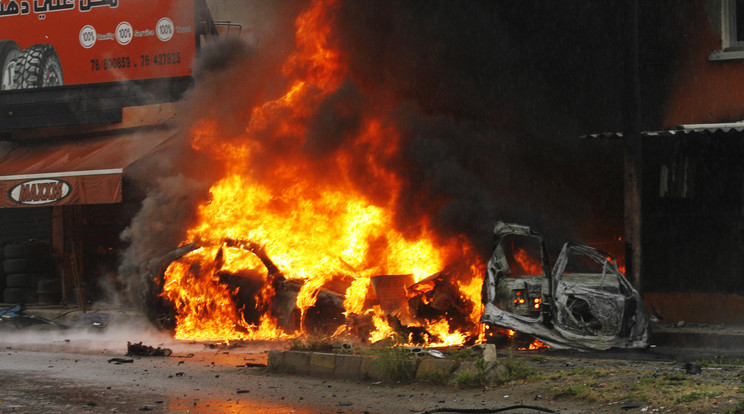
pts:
[28, 267]
[2, 275]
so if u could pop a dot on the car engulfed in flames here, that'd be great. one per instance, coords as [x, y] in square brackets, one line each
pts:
[219, 299]
[312, 223]
[583, 302]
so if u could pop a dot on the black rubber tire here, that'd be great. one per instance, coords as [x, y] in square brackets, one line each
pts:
[47, 285]
[9, 50]
[25, 265]
[29, 280]
[19, 280]
[26, 250]
[48, 298]
[38, 67]
[19, 295]
[49, 292]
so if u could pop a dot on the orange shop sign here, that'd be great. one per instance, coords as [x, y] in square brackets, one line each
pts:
[67, 42]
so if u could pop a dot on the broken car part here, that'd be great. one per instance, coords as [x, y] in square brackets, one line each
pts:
[585, 302]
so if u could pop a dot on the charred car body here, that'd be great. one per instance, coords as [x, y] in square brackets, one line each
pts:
[583, 302]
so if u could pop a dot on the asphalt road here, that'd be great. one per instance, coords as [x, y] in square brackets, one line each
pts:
[65, 371]
[71, 371]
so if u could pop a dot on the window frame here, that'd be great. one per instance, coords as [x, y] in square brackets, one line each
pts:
[731, 49]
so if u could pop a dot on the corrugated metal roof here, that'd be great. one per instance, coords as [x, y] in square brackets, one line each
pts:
[687, 129]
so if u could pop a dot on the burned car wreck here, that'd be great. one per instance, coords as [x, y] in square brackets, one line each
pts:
[583, 302]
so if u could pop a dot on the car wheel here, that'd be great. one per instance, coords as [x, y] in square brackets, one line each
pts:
[9, 50]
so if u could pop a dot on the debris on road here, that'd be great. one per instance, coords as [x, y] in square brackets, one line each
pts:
[145, 350]
[17, 317]
[254, 365]
[119, 361]
[692, 368]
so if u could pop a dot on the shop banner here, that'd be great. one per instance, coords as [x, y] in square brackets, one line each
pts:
[78, 189]
[70, 42]
[75, 171]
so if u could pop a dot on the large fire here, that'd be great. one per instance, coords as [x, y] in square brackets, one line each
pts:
[314, 231]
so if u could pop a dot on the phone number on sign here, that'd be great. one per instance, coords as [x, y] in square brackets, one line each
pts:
[144, 60]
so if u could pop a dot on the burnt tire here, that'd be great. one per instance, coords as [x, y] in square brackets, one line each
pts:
[9, 50]
[19, 295]
[25, 265]
[26, 250]
[38, 66]
[49, 291]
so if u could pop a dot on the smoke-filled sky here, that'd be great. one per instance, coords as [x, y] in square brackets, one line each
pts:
[489, 98]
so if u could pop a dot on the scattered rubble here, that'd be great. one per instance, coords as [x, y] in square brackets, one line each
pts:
[144, 350]
[119, 361]
[16, 317]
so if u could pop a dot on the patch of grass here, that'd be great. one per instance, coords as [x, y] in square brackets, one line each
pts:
[662, 385]
[470, 379]
[585, 372]
[737, 409]
[312, 344]
[674, 378]
[637, 395]
[396, 365]
[694, 396]
[719, 360]
[581, 392]
[538, 358]
[516, 369]
[463, 353]
[477, 377]
[438, 378]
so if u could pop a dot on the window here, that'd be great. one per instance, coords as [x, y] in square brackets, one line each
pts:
[678, 175]
[732, 31]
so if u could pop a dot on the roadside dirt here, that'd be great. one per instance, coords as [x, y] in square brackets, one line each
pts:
[62, 372]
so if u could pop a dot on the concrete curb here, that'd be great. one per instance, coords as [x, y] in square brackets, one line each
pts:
[355, 367]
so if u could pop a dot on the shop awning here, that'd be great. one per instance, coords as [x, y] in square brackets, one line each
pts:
[78, 171]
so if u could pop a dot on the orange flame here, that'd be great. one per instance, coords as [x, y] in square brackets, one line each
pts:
[529, 265]
[311, 216]
[536, 344]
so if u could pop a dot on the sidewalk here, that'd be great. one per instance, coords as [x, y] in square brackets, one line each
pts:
[723, 338]
[72, 314]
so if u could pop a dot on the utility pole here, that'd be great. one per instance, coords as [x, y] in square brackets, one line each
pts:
[633, 152]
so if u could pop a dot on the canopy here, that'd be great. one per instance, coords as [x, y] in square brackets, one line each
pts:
[74, 171]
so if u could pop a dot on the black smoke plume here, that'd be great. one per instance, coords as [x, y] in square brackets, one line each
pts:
[489, 97]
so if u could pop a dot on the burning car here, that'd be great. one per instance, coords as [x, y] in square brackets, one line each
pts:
[584, 302]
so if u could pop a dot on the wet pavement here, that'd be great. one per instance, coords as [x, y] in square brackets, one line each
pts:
[50, 370]
[667, 338]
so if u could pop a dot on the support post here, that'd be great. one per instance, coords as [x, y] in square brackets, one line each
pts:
[633, 154]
